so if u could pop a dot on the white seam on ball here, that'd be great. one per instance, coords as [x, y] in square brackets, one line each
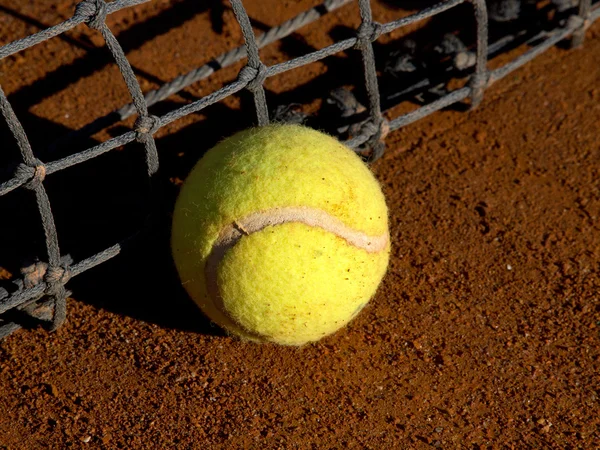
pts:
[300, 214]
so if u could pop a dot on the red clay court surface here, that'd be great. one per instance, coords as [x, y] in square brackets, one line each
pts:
[485, 333]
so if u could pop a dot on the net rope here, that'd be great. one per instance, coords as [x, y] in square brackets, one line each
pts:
[40, 292]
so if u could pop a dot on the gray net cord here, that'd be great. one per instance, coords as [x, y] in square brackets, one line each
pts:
[183, 81]
[583, 13]
[43, 284]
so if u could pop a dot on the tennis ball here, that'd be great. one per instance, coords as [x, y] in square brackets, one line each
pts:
[280, 234]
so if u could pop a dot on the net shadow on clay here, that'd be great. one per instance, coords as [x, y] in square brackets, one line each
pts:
[39, 295]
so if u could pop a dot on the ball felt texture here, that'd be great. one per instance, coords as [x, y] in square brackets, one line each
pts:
[280, 234]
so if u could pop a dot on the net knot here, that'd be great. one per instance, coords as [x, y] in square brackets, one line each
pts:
[367, 33]
[146, 126]
[369, 129]
[254, 77]
[479, 82]
[93, 11]
[575, 22]
[31, 176]
[57, 275]
[377, 133]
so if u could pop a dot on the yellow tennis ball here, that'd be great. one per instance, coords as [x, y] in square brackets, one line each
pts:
[280, 234]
